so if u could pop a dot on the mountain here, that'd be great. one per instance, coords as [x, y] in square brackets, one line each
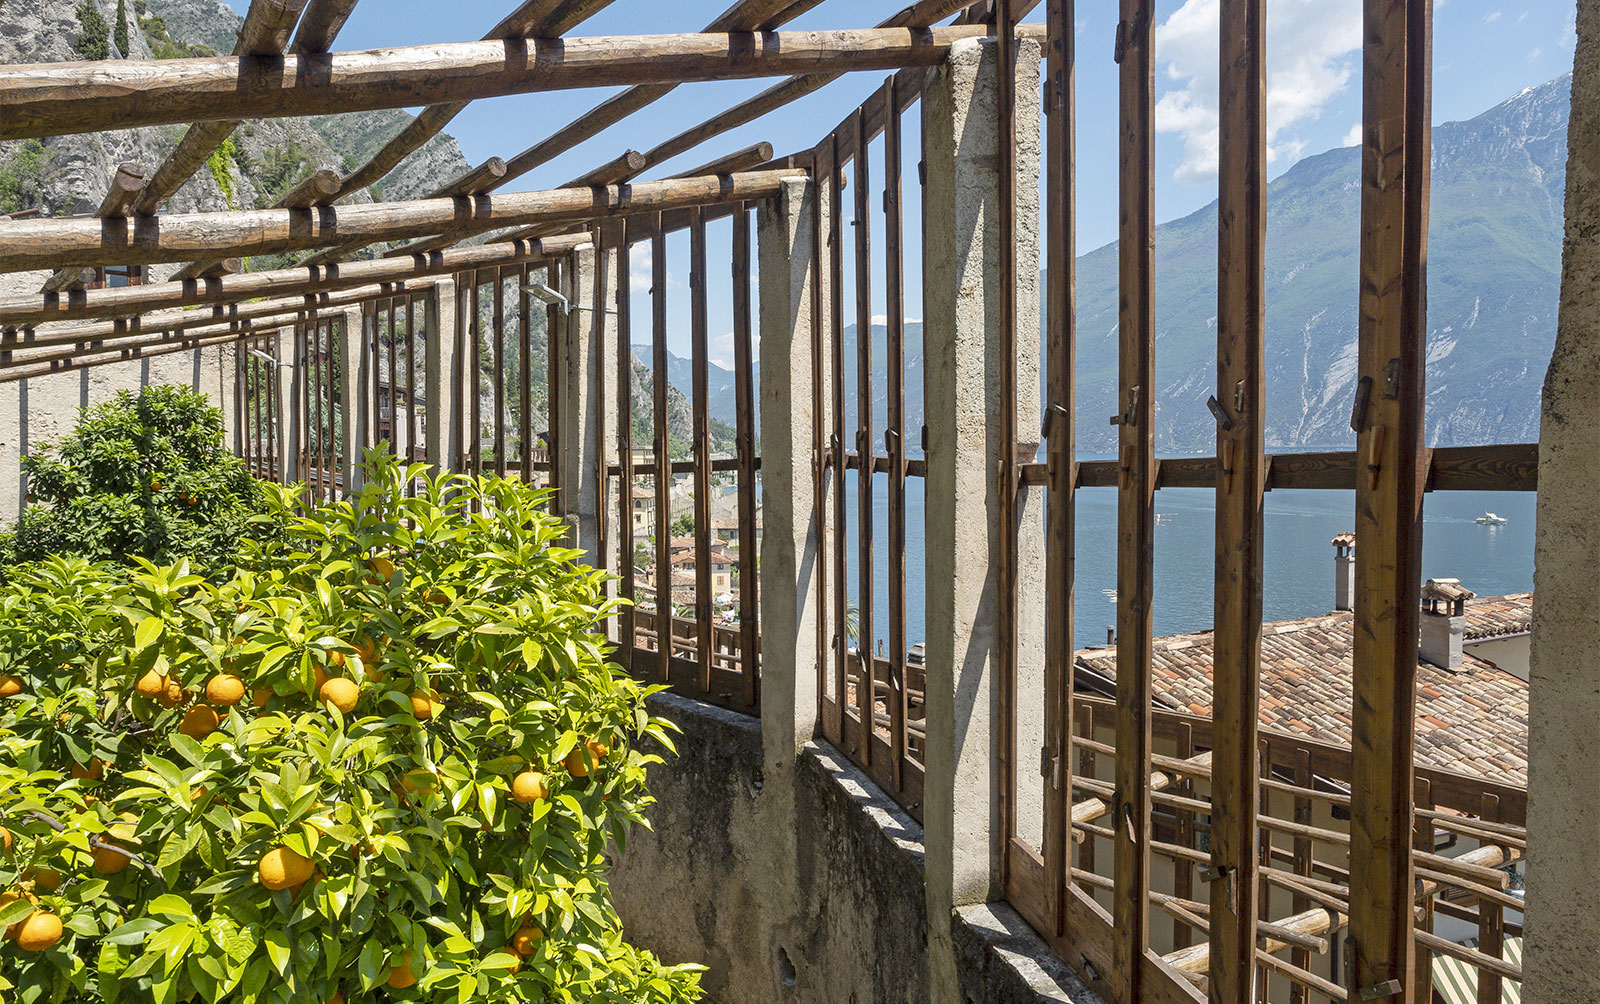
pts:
[66, 175]
[1493, 282]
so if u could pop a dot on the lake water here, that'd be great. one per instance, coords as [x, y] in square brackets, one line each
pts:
[1300, 523]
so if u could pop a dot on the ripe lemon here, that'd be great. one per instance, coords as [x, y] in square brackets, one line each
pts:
[10, 686]
[199, 721]
[283, 867]
[400, 972]
[341, 693]
[109, 860]
[94, 772]
[422, 704]
[152, 685]
[526, 940]
[529, 786]
[40, 931]
[225, 689]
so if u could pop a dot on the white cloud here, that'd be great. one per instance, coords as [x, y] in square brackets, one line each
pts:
[639, 263]
[1569, 33]
[884, 319]
[1311, 57]
[1535, 53]
[1353, 137]
[1491, 17]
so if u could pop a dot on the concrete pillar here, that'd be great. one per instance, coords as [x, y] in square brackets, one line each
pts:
[441, 427]
[1561, 956]
[789, 596]
[294, 405]
[283, 351]
[962, 299]
[589, 405]
[790, 561]
[354, 377]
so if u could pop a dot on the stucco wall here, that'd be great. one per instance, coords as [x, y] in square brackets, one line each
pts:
[706, 885]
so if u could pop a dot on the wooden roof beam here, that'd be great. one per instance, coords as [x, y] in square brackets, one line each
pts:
[740, 160]
[321, 24]
[120, 194]
[745, 15]
[533, 17]
[265, 32]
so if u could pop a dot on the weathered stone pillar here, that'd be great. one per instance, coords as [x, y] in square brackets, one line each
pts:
[294, 406]
[287, 456]
[962, 300]
[442, 427]
[589, 406]
[353, 380]
[1561, 958]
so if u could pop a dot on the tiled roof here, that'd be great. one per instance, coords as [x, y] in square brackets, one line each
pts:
[1497, 616]
[1473, 720]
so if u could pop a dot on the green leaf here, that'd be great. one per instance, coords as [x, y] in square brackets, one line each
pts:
[147, 632]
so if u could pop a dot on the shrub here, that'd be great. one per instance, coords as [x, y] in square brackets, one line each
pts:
[281, 849]
[121, 33]
[94, 42]
[144, 475]
[21, 177]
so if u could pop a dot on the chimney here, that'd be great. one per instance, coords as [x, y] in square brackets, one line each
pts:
[1444, 621]
[1344, 571]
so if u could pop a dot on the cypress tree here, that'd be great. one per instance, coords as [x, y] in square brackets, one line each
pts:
[121, 35]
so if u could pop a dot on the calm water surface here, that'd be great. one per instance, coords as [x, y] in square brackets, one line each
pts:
[1490, 560]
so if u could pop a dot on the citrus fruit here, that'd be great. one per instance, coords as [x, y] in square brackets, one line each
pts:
[94, 772]
[10, 686]
[40, 931]
[225, 689]
[526, 940]
[529, 786]
[422, 704]
[199, 721]
[110, 860]
[47, 879]
[152, 684]
[577, 762]
[341, 693]
[172, 695]
[283, 867]
[260, 696]
[400, 972]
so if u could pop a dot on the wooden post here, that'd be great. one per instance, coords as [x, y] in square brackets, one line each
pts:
[1391, 355]
[744, 395]
[627, 635]
[698, 342]
[1135, 497]
[283, 371]
[351, 409]
[1491, 922]
[866, 674]
[1240, 405]
[663, 471]
[1422, 839]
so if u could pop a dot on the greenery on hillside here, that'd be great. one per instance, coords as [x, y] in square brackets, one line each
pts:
[94, 35]
[20, 177]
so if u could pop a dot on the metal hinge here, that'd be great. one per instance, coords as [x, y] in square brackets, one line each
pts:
[1127, 33]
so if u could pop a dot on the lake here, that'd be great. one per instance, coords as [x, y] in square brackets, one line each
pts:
[1300, 523]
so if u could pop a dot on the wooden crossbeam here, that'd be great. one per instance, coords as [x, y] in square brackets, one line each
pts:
[748, 159]
[748, 15]
[545, 18]
[321, 24]
[32, 244]
[119, 198]
[316, 190]
[128, 301]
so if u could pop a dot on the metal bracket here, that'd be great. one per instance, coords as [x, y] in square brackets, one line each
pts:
[1050, 415]
[1378, 991]
[1358, 412]
[1224, 420]
[1131, 415]
[1391, 379]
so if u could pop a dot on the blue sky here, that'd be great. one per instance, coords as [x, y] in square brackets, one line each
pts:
[1484, 52]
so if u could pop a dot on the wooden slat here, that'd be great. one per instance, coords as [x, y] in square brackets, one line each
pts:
[499, 362]
[625, 562]
[1006, 211]
[1239, 484]
[739, 160]
[1422, 839]
[1491, 925]
[699, 348]
[1135, 496]
[411, 373]
[1060, 435]
[745, 402]
[663, 472]
[834, 251]
[1391, 354]
[47, 243]
[596, 475]
[555, 342]
[895, 434]
[866, 697]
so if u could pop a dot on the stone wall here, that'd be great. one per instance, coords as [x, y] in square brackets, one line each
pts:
[710, 884]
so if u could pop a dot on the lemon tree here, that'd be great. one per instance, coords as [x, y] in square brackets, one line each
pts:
[384, 758]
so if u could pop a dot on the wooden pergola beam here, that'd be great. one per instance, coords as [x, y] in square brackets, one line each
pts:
[534, 17]
[33, 244]
[748, 15]
[119, 199]
[321, 24]
[129, 301]
[748, 159]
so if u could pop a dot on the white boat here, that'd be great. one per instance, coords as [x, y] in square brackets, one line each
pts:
[1490, 519]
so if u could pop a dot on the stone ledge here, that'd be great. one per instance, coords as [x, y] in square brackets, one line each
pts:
[1004, 962]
